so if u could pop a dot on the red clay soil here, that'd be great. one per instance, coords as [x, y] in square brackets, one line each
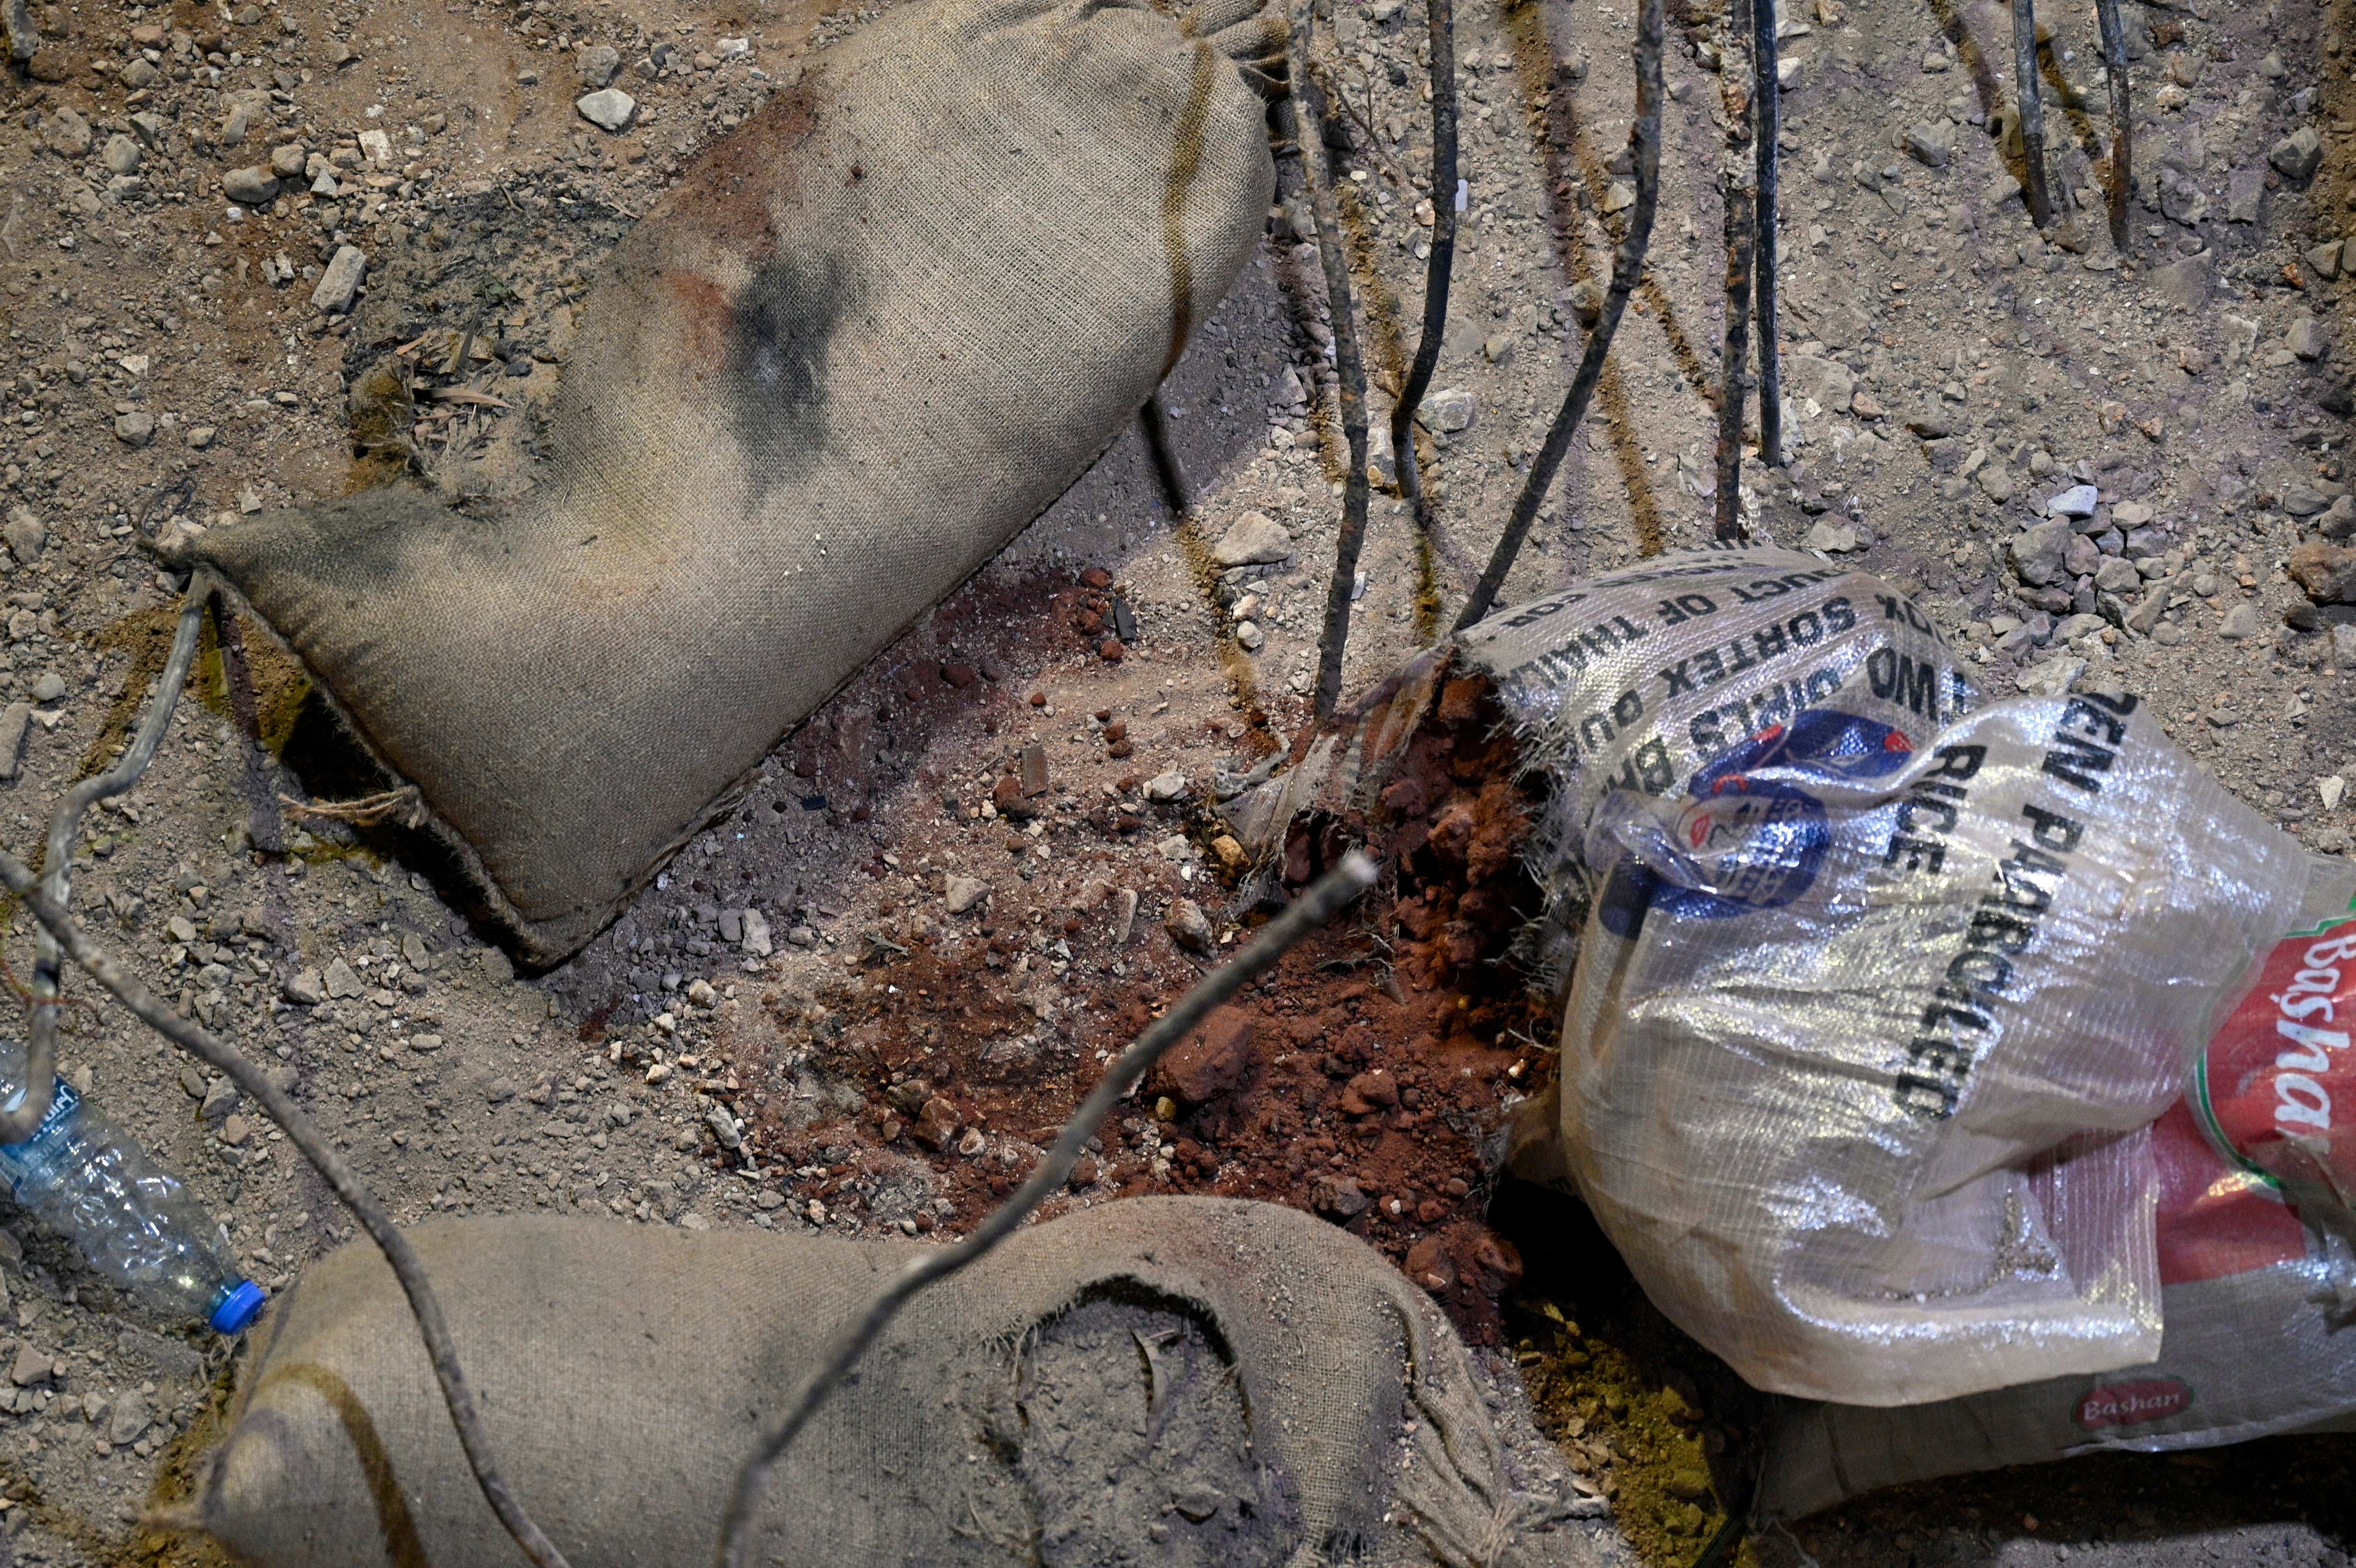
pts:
[1364, 1079]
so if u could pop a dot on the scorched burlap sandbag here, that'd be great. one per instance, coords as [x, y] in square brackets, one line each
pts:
[1170, 1380]
[868, 337]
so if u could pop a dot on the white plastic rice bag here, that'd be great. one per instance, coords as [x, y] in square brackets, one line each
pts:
[1869, 1032]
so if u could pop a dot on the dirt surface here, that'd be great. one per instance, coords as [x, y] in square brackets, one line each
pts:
[967, 877]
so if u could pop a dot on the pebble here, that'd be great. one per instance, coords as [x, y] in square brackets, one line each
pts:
[2037, 551]
[340, 284]
[1164, 788]
[2331, 788]
[608, 109]
[1255, 540]
[2306, 337]
[1189, 927]
[67, 133]
[251, 186]
[2241, 622]
[50, 688]
[596, 66]
[1834, 539]
[2078, 501]
[1448, 410]
[342, 981]
[964, 892]
[306, 989]
[122, 155]
[2298, 155]
[26, 534]
[136, 428]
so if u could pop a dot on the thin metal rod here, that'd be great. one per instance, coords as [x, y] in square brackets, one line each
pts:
[2030, 106]
[30, 1101]
[1319, 176]
[2114, 62]
[1767, 110]
[1353, 876]
[1441, 14]
[1627, 269]
[150, 1009]
[1742, 241]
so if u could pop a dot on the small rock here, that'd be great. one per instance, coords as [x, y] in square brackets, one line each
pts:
[50, 688]
[2301, 502]
[1619, 196]
[2326, 572]
[499, 1091]
[1338, 1196]
[936, 1123]
[1932, 423]
[964, 892]
[1255, 540]
[1209, 1061]
[757, 939]
[596, 66]
[1932, 145]
[2298, 155]
[1190, 928]
[307, 988]
[235, 1130]
[341, 281]
[122, 155]
[2241, 622]
[200, 436]
[2117, 574]
[2078, 501]
[251, 186]
[32, 1366]
[608, 109]
[701, 994]
[425, 1043]
[498, 968]
[342, 982]
[67, 133]
[136, 428]
[2306, 337]
[2037, 551]
[1162, 788]
[221, 1097]
[1996, 482]
[26, 534]
[1448, 410]
[1834, 539]
[2339, 520]
[2077, 627]
[192, 1081]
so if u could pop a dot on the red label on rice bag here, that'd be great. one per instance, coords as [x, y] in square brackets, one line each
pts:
[2132, 1404]
[2277, 1086]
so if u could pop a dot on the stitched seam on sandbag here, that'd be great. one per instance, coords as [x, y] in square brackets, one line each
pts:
[1193, 123]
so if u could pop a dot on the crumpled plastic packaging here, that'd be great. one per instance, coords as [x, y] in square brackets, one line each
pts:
[1879, 989]
[1868, 1036]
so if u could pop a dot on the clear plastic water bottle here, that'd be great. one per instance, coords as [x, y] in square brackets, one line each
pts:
[84, 1179]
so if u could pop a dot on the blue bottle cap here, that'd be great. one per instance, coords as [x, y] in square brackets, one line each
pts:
[239, 1308]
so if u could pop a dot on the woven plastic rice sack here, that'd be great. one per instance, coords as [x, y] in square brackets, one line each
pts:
[1170, 1380]
[1870, 1028]
[2256, 1345]
[867, 338]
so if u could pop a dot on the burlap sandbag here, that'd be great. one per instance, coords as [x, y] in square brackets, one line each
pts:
[1179, 1380]
[867, 338]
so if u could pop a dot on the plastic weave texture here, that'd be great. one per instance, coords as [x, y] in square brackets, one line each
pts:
[868, 337]
[1868, 1038]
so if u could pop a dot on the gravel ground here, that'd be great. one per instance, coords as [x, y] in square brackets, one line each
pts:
[174, 354]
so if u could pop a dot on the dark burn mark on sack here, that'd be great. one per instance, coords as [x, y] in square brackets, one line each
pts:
[779, 333]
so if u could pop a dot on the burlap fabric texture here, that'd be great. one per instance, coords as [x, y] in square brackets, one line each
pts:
[869, 336]
[1174, 1381]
